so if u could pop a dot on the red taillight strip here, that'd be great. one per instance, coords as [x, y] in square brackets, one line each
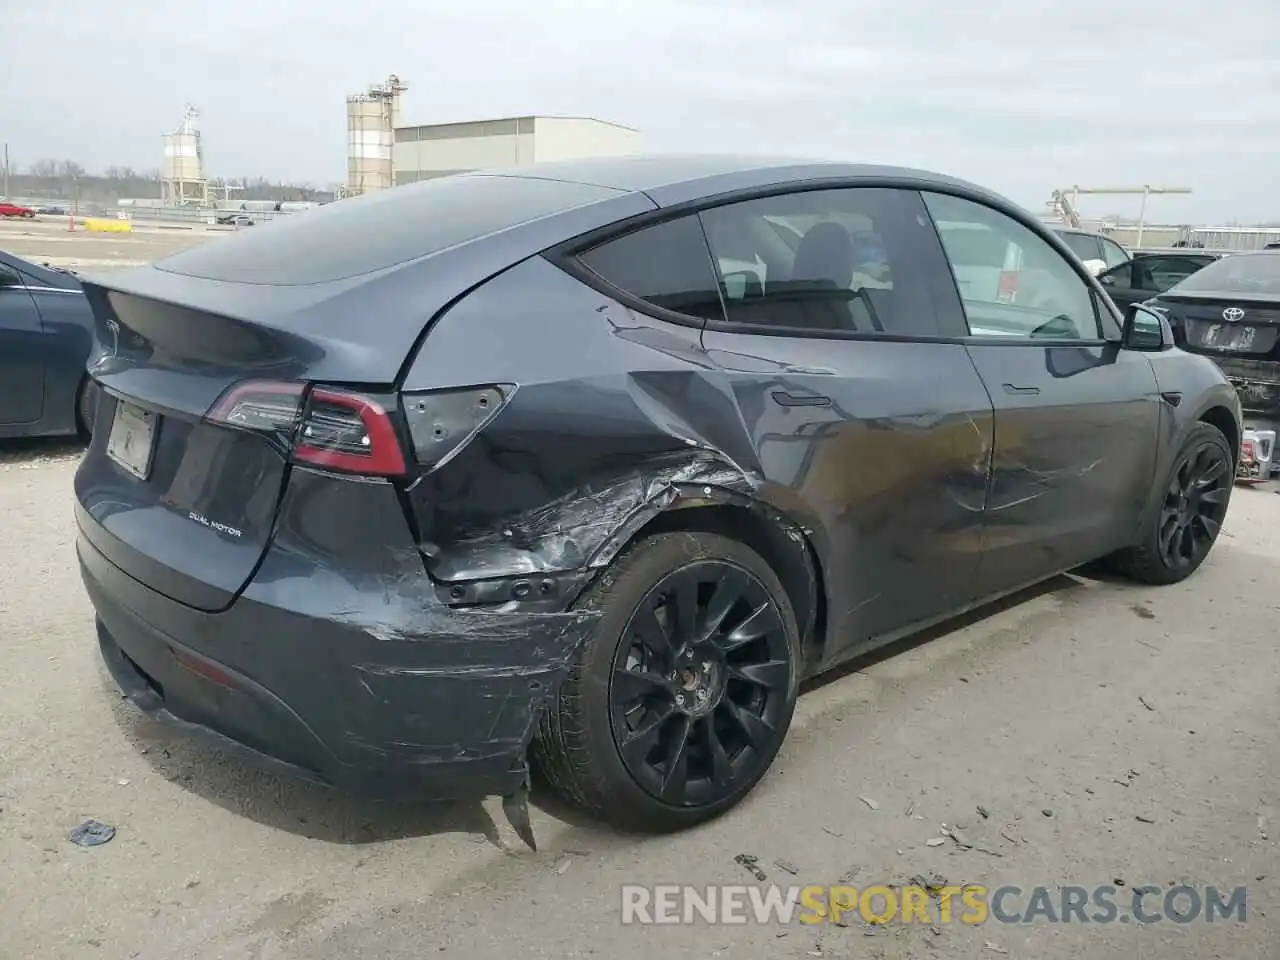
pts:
[385, 457]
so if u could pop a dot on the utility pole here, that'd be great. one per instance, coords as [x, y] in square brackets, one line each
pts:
[6, 171]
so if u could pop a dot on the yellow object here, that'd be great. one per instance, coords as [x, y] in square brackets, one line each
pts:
[108, 226]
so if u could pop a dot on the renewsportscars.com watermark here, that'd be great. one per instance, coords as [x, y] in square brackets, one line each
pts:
[971, 904]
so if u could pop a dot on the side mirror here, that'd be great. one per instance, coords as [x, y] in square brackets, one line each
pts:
[1145, 330]
[1107, 279]
[1095, 267]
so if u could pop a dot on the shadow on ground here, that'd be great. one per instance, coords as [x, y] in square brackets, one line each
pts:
[29, 452]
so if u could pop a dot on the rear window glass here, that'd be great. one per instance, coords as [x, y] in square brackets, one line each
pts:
[1256, 273]
[361, 235]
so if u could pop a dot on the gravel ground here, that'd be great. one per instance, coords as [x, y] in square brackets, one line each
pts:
[1096, 701]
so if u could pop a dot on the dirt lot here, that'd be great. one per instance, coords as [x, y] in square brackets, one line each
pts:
[1097, 701]
[49, 241]
[1067, 714]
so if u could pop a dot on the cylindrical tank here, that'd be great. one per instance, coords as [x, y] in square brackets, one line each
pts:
[296, 206]
[371, 120]
[260, 206]
[182, 159]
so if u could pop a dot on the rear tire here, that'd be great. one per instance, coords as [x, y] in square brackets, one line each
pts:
[677, 704]
[86, 407]
[1184, 526]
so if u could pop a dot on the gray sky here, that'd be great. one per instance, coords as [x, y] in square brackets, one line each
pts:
[1020, 95]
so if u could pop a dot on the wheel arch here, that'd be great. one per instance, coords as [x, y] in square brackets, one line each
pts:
[780, 542]
[1222, 418]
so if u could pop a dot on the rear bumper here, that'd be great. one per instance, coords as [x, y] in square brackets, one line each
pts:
[338, 681]
[1256, 381]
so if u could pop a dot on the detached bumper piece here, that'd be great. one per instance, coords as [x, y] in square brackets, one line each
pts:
[1257, 448]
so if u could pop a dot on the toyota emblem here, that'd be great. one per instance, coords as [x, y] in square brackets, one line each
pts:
[1232, 314]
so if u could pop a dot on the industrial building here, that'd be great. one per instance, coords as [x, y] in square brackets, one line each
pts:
[382, 154]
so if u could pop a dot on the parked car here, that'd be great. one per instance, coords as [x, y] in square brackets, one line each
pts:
[395, 492]
[1230, 311]
[1145, 277]
[15, 210]
[46, 332]
[236, 220]
[52, 211]
[1098, 252]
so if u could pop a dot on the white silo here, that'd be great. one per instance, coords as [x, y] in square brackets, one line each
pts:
[371, 123]
[182, 178]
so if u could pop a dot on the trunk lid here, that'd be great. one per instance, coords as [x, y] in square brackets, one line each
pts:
[1226, 326]
[180, 503]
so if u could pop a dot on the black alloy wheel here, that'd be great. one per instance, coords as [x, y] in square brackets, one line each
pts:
[1195, 504]
[1186, 512]
[701, 684]
[676, 705]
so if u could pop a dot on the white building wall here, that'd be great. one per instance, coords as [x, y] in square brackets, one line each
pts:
[441, 149]
[568, 138]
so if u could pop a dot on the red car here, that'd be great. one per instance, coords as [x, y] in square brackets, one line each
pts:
[14, 210]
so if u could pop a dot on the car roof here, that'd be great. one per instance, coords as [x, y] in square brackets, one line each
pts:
[677, 178]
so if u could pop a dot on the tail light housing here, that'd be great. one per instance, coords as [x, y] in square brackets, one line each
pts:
[321, 426]
[442, 422]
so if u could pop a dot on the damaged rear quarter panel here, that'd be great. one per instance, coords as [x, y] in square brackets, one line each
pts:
[595, 441]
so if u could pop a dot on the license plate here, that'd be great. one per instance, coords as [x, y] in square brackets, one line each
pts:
[1224, 336]
[132, 439]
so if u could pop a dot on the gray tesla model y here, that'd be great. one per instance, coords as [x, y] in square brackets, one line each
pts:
[586, 466]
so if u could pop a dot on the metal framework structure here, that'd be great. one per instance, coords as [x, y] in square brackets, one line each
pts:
[1066, 202]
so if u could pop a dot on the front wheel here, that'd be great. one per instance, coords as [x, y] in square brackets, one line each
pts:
[1190, 514]
[676, 706]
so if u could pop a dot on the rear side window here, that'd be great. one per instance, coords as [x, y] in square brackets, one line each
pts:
[362, 235]
[666, 264]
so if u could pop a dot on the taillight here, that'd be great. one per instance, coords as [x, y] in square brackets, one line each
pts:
[348, 432]
[442, 421]
[264, 406]
[323, 427]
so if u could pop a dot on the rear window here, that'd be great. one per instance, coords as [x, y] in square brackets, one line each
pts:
[361, 235]
[1249, 273]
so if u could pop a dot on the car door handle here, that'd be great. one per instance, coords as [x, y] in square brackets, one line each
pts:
[1021, 391]
[1172, 397]
[784, 399]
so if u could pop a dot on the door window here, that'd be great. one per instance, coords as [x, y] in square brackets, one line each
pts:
[666, 265]
[858, 261]
[1012, 282]
[1113, 253]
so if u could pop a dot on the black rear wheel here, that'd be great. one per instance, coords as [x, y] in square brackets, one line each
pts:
[1190, 513]
[677, 706]
[86, 407]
